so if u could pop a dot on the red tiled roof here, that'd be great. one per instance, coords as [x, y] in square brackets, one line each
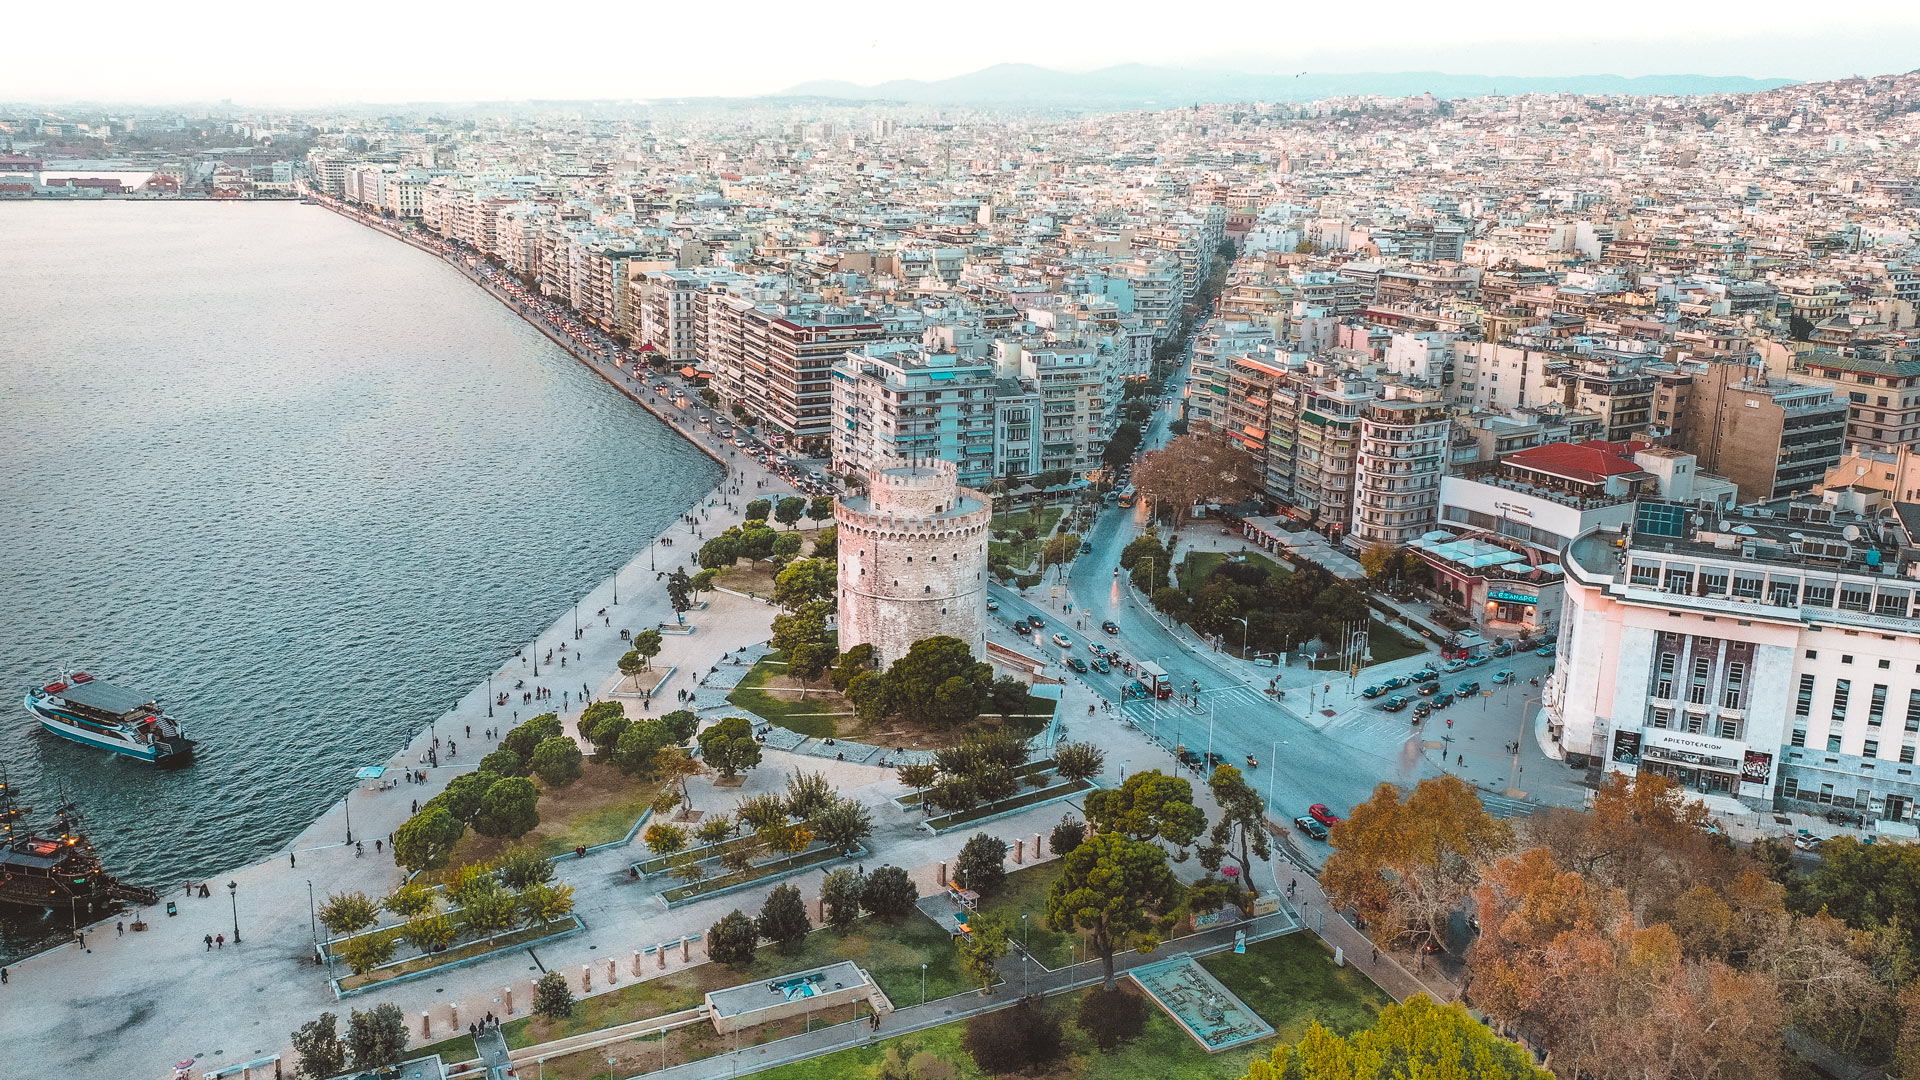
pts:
[1589, 462]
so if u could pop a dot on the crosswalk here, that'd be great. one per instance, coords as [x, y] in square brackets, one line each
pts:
[1503, 806]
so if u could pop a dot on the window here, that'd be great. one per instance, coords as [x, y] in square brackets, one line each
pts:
[1913, 710]
[1790, 787]
[1680, 581]
[1906, 755]
[1799, 737]
[1696, 723]
[1644, 574]
[1663, 718]
[1812, 654]
[1733, 693]
[1664, 688]
[1870, 748]
[1855, 598]
[1833, 744]
[1747, 586]
[1846, 658]
[1804, 706]
[1783, 593]
[1713, 583]
[1877, 705]
[1818, 596]
[1885, 664]
[1842, 689]
[1729, 728]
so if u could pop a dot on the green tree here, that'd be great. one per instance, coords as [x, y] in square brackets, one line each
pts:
[756, 543]
[546, 903]
[409, 900]
[843, 823]
[789, 510]
[870, 695]
[504, 762]
[1862, 885]
[318, 1048]
[426, 840]
[1113, 888]
[522, 867]
[490, 910]
[855, 661]
[665, 839]
[1007, 696]
[806, 626]
[1067, 835]
[1150, 805]
[1144, 546]
[820, 508]
[918, 776]
[605, 731]
[703, 581]
[1418, 1038]
[463, 793]
[1241, 832]
[679, 590]
[733, 939]
[521, 740]
[840, 892]
[510, 809]
[639, 746]
[1025, 1039]
[938, 684]
[428, 933]
[680, 724]
[805, 581]
[344, 913]
[785, 547]
[1078, 761]
[808, 794]
[715, 829]
[826, 544]
[721, 552]
[759, 509]
[783, 917]
[367, 951]
[1060, 550]
[646, 644]
[809, 660]
[729, 746]
[889, 893]
[557, 761]
[981, 865]
[378, 1036]
[982, 947]
[553, 997]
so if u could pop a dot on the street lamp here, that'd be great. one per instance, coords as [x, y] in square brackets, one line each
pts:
[347, 801]
[233, 889]
[923, 984]
[1243, 636]
[313, 923]
[489, 696]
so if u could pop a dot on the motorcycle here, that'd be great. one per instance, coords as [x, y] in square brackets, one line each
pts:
[1252, 762]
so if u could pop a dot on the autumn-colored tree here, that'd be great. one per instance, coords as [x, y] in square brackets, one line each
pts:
[1643, 835]
[1194, 468]
[1419, 1038]
[1405, 866]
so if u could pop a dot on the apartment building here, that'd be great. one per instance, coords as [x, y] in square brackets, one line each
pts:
[776, 360]
[1882, 395]
[1398, 464]
[1772, 437]
[1770, 657]
[1074, 391]
[1326, 449]
[901, 400]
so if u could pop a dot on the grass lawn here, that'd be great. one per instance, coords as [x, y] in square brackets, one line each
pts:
[1388, 644]
[1021, 554]
[1025, 893]
[812, 715]
[1289, 981]
[598, 808]
[690, 1043]
[891, 952]
[1199, 564]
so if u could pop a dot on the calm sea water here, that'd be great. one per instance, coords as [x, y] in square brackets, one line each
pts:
[303, 482]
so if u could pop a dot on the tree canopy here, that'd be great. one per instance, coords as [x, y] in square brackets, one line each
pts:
[1406, 865]
[1114, 889]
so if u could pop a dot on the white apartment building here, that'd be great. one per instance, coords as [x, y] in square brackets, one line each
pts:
[1402, 456]
[1771, 656]
[900, 401]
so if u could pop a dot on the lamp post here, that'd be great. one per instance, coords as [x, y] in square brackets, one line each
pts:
[1243, 636]
[489, 696]
[923, 984]
[347, 801]
[233, 890]
[1273, 767]
[313, 923]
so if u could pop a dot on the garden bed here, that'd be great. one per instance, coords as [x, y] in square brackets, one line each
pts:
[779, 868]
[458, 954]
[1006, 806]
[911, 800]
[601, 807]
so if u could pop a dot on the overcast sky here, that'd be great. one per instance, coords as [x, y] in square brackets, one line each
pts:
[414, 50]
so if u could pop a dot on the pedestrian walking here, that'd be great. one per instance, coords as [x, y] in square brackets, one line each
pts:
[119, 929]
[209, 940]
[220, 941]
[1376, 955]
[5, 976]
[292, 862]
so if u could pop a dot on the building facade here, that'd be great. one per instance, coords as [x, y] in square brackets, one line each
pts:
[913, 560]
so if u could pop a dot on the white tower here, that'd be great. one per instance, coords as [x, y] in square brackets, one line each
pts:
[913, 560]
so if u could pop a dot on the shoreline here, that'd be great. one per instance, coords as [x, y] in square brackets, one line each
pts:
[598, 596]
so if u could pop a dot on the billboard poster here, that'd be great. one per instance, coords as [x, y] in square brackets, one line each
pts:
[1626, 747]
[1756, 767]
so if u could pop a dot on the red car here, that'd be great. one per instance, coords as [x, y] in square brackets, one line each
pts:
[1323, 815]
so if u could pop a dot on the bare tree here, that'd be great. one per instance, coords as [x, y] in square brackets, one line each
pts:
[1196, 467]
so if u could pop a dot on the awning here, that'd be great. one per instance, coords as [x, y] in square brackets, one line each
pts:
[370, 772]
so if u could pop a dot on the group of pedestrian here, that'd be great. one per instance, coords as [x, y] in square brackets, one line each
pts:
[490, 1022]
[215, 941]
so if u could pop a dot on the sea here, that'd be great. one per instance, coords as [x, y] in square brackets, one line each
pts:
[306, 484]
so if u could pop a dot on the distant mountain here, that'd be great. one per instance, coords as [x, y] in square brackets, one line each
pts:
[1142, 86]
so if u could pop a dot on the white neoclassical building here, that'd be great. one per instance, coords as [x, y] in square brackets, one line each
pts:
[913, 559]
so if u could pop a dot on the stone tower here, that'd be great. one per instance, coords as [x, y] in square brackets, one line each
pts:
[913, 560]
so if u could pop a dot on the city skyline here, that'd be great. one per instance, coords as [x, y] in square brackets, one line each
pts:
[143, 56]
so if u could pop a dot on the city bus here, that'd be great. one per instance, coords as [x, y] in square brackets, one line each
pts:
[1126, 495]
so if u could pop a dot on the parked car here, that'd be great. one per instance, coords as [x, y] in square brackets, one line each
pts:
[1394, 703]
[1805, 840]
[1443, 699]
[1063, 641]
[1086, 547]
[1502, 677]
[1110, 626]
[1477, 661]
[1544, 650]
[1396, 682]
[1310, 827]
[1373, 691]
[1503, 649]
[1078, 665]
[1452, 666]
[993, 605]
[1320, 813]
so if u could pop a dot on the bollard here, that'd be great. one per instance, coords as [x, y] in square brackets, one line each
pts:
[612, 978]
[426, 1025]
[660, 956]
[686, 949]
[636, 963]
[1037, 849]
[506, 995]
[941, 874]
[586, 977]
[819, 910]
[1019, 851]
[246, 1072]
[453, 1016]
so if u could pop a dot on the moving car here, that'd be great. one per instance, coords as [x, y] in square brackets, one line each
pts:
[1394, 703]
[1063, 641]
[1022, 627]
[1320, 813]
[1503, 649]
[1310, 827]
[1476, 661]
[1396, 682]
[1373, 691]
[1110, 627]
[1442, 699]
[1544, 650]
[1502, 677]
[1428, 689]
[1100, 665]
[1425, 674]
[1423, 709]
[1037, 621]
[1078, 665]
[1086, 547]
[1466, 689]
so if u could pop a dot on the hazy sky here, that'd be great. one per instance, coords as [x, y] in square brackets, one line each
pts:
[120, 50]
